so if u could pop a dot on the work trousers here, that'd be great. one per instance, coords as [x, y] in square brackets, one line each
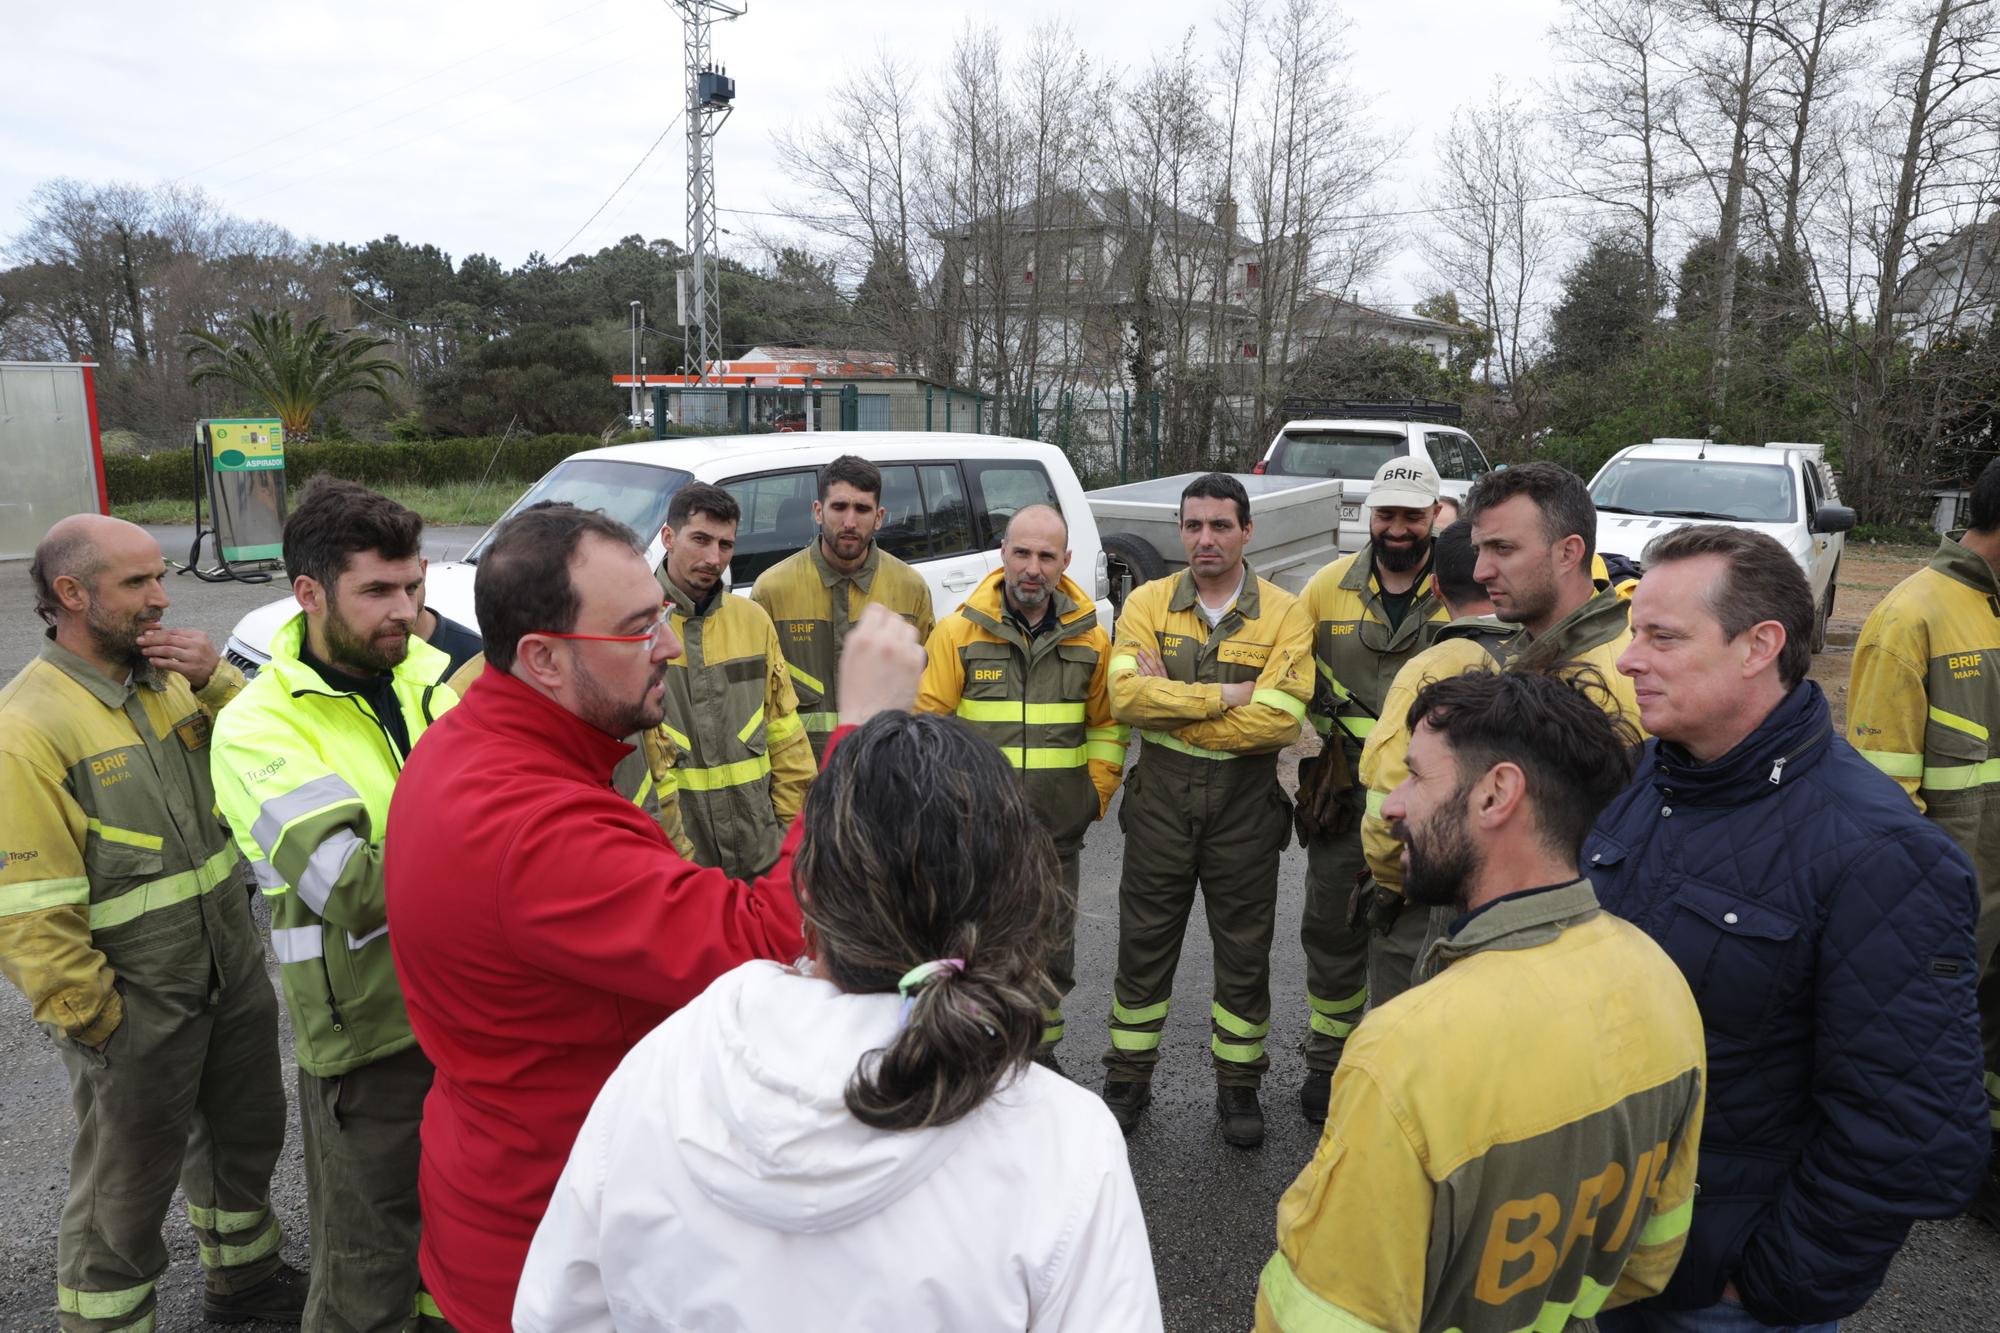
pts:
[1061, 955]
[361, 1151]
[187, 1090]
[1392, 958]
[1219, 825]
[1336, 951]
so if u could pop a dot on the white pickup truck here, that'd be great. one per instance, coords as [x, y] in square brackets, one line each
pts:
[1781, 490]
[1348, 439]
[946, 499]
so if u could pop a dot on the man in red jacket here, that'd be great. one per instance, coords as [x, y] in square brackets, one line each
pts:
[541, 922]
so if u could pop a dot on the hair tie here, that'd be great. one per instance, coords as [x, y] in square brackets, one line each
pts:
[922, 975]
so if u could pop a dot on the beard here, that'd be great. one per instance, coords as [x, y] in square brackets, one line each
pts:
[117, 638]
[1402, 557]
[616, 717]
[1443, 860]
[1031, 601]
[363, 653]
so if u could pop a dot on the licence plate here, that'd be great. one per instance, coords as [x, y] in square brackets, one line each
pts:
[1350, 513]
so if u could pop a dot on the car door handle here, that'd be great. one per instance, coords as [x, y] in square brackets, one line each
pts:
[959, 585]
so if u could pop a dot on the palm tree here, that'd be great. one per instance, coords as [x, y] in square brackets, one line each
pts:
[292, 370]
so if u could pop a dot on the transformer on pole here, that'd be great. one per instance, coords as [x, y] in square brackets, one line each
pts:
[710, 96]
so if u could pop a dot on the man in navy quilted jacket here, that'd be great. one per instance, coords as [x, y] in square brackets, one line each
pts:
[1826, 929]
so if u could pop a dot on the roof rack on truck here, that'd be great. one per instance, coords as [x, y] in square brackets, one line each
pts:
[1381, 409]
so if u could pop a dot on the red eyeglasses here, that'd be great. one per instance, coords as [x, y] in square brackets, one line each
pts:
[653, 635]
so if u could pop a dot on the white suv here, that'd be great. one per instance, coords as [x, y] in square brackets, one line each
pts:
[1350, 440]
[946, 499]
[1781, 490]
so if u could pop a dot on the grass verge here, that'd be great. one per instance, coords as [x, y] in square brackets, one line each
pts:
[456, 504]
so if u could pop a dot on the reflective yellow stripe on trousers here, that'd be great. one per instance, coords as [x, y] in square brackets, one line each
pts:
[105, 1304]
[164, 892]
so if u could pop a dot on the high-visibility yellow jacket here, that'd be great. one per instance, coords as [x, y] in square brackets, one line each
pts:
[814, 605]
[1044, 700]
[1923, 701]
[1468, 644]
[110, 845]
[1510, 1145]
[1355, 653]
[1595, 635]
[304, 772]
[643, 777]
[1264, 637]
[743, 762]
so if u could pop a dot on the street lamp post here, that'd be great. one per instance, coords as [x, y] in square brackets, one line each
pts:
[636, 307]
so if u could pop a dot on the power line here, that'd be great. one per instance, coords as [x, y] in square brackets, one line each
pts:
[445, 129]
[370, 101]
[378, 127]
[558, 254]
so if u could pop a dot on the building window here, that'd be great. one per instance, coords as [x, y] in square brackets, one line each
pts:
[1028, 275]
[1249, 351]
[1253, 276]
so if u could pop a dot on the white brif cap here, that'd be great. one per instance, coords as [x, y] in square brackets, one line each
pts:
[1404, 483]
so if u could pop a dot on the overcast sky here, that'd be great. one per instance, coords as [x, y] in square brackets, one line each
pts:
[498, 126]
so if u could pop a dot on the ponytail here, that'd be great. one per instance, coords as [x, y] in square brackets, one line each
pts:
[964, 1030]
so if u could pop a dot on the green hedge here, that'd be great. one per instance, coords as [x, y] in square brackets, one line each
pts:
[170, 475]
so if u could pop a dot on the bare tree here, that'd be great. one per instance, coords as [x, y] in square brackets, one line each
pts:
[1732, 66]
[1494, 237]
[1935, 162]
[1612, 108]
[1316, 162]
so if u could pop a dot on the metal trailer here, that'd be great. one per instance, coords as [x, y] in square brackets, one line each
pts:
[50, 450]
[1294, 528]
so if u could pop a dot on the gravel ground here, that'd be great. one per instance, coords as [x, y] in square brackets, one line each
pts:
[1209, 1207]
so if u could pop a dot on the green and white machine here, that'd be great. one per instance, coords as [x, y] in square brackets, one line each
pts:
[240, 464]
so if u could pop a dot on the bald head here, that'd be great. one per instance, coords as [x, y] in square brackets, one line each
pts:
[79, 548]
[1041, 521]
[1033, 555]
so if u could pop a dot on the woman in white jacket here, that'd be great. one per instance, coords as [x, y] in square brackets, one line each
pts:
[862, 1142]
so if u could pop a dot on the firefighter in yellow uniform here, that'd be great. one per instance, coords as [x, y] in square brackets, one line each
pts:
[1469, 641]
[1371, 612]
[1213, 666]
[1467, 1179]
[743, 761]
[125, 922]
[1923, 702]
[817, 595]
[1025, 663]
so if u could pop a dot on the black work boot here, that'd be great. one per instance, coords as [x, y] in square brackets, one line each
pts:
[1126, 1098]
[1314, 1094]
[1242, 1118]
[278, 1299]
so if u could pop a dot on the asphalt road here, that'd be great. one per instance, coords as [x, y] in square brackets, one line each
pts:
[1209, 1207]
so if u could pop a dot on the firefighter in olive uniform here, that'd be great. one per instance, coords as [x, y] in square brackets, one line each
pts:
[124, 921]
[1534, 528]
[1469, 641]
[1467, 1179]
[817, 595]
[1213, 666]
[1025, 663]
[743, 762]
[1371, 612]
[1923, 702]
